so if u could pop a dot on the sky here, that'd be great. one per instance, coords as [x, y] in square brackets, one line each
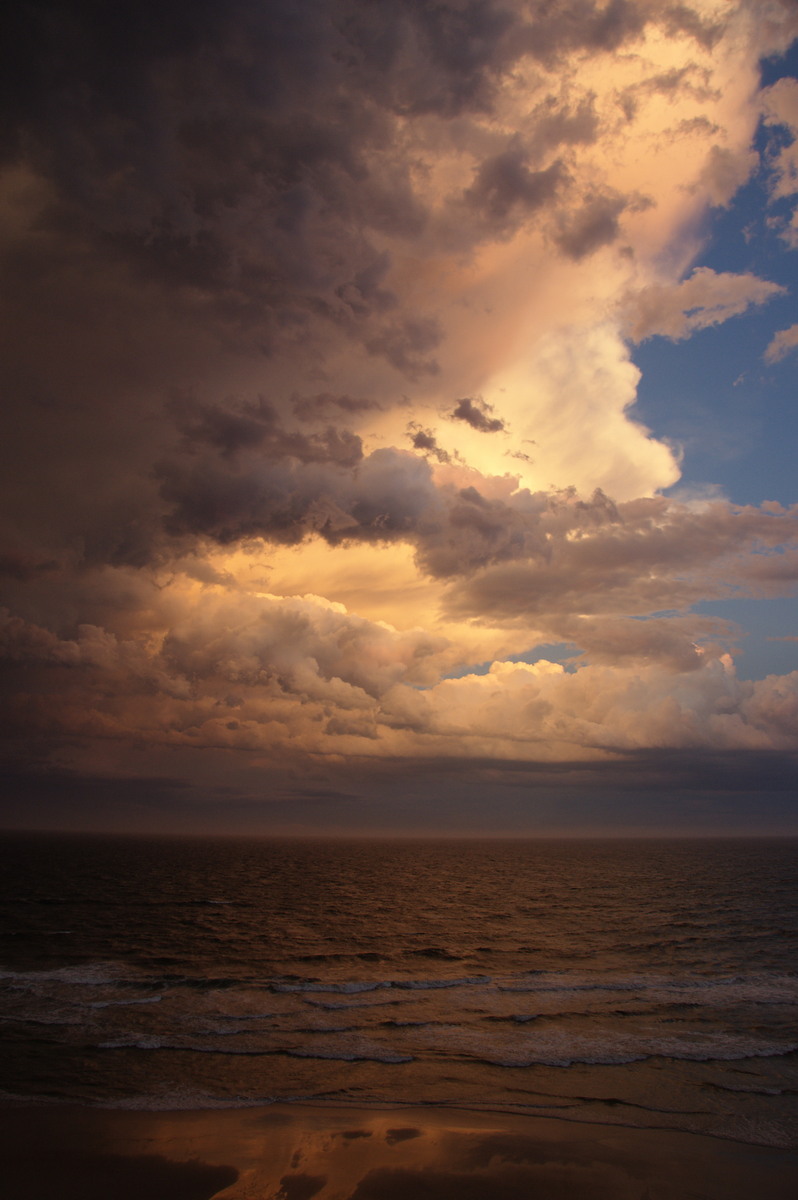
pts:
[399, 417]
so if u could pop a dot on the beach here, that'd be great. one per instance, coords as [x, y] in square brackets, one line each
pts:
[298, 1152]
[284, 1021]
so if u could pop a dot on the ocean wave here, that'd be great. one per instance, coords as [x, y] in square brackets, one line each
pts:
[406, 1024]
[623, 1058]
[348, 989]
[350, 1056]
[123, 1003]
[755, 987]
[437, 952]
[17, 1019]
[332, 1054]
[434, 984]
[190, 1101]
[347, 1005]
[262, 1016]
[523, 1018]
[761, 989]
[354, 987]
[183, 1046]
[92, 973]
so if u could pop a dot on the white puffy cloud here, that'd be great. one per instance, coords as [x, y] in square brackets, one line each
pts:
[546, 712]
[782, 344]
[780, 104]
[292, 677]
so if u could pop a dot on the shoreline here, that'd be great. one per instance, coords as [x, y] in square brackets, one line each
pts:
[463, 1110]
[306, 1151]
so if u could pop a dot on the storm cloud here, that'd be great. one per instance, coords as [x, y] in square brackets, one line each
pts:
[320, 399]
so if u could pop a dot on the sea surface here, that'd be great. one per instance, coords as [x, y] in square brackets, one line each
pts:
[652, 984]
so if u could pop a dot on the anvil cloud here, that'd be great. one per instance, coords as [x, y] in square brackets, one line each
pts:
[324, 489]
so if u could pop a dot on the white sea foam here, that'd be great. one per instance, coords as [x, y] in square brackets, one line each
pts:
[93, 973]
[563, 1048]
[762, 988]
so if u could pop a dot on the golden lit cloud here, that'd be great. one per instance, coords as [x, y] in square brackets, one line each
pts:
[324, 399]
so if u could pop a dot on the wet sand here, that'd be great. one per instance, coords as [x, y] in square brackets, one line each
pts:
[301, 1153]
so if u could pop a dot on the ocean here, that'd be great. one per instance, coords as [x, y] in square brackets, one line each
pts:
[651, 984]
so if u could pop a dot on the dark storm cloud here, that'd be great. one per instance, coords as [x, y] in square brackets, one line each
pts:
[641, 556]
[695, 770]
[556, 125]
[277, 502]
[667, 790]
[680, 18]
[593, 225]
[52, 797]
[202, 182]
[50, 46]
[387, 496]
[425, 441]
[445, 58]
[477, 532]
[506, 188]
[239, 474]
[226, 262]
[431, 58]
[406, 345]
[311, 408]
[201, 107]
[554, 30]
[255, 425]
[476, 413]
[222, 153]
[204, 143]
[678, 771]
[16, 564]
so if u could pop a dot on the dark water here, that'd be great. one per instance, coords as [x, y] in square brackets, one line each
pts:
[652, 984]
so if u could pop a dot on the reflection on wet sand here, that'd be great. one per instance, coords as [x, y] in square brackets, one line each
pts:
[297, 1153]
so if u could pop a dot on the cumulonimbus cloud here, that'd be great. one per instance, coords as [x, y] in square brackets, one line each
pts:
[312, 278]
